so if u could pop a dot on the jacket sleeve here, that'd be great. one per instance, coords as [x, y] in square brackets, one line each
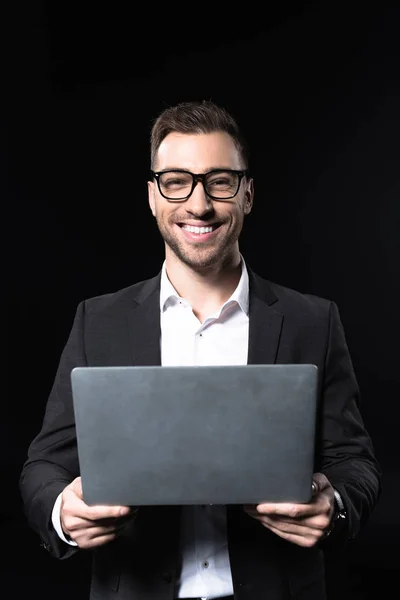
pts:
[52, 458]
[348, 458]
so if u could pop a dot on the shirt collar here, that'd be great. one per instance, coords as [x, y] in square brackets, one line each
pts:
[240, 294]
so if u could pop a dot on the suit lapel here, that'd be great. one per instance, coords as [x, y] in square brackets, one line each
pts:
[144, 325]
[264, 329]
[265, 322]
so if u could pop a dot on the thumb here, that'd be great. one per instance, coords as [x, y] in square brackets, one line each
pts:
[319, 483]
[76, 487]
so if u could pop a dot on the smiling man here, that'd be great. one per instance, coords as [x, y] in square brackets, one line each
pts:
[200, 195]
[210, 230]
[200, 192]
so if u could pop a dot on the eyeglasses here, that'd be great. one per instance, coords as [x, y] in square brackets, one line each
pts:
[219, 184]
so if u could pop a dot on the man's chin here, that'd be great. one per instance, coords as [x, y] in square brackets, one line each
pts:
[200, 263]
[198, 260]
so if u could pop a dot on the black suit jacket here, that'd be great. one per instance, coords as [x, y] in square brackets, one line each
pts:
[123, 328]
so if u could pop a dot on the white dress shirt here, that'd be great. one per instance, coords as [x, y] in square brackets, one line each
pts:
[222, 339]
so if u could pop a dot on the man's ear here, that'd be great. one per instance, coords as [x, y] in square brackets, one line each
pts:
[249, 197]
[151, 197]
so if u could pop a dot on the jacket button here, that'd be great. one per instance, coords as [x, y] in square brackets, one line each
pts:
[45, 545]
[167, 576]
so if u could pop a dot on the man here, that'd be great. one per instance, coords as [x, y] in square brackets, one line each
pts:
[206, 306]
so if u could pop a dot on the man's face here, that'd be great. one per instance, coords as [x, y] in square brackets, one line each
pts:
[200, 153]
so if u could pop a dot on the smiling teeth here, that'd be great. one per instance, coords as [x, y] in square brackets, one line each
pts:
[197, 229]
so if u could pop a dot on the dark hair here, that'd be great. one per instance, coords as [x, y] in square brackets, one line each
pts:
[196, 117]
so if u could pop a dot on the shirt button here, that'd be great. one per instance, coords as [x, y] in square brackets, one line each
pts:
[205, 564]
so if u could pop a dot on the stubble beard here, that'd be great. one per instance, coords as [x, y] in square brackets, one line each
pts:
[203, 255]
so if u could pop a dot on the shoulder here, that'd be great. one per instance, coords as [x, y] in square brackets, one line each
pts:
[288, 301]
[290, 297]
[125, 297]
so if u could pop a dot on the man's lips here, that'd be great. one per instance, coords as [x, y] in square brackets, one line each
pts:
[202, 232]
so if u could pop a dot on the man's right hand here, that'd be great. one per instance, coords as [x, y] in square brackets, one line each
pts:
[91, 526]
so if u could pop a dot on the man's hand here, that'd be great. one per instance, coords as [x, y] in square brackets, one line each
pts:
[91, 526]
[301, 524]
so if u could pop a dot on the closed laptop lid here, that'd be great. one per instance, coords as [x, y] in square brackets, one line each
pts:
[151, 435]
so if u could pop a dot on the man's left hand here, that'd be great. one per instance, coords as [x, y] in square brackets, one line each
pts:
[301, 524]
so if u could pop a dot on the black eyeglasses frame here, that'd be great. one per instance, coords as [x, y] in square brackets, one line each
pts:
[199, 177]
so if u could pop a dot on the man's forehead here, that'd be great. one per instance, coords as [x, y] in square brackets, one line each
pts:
[198, 151]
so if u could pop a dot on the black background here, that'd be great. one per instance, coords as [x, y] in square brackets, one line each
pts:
[315, 88]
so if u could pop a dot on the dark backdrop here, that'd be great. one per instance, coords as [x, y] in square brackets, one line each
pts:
[315, 87]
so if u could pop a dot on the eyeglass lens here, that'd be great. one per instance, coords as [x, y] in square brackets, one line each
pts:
[177, 185]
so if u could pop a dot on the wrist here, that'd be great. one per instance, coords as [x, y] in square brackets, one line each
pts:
[339, 513]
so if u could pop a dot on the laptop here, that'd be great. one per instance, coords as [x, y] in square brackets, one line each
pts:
[181, 435]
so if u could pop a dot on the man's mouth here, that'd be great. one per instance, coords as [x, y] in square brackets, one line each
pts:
[199, 230]
[203, 232]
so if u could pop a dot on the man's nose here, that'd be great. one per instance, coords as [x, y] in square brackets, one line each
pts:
[198, 202]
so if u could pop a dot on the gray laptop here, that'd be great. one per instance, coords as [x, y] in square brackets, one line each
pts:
[157, 435]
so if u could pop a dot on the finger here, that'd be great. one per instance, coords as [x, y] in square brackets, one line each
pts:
[304, 539]
[321, 481]
[250, 508]
[294, 511]
[117, 521]
[264, 510]
[94, 512]
[315, 523]
[252, 511]
[100, 512]
[86, 543]
[74, 522]
[314, 488]
[302, 527]
[75, 526]
[83, 529]
[76, 486]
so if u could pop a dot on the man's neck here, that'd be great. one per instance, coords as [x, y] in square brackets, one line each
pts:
[207, 289]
